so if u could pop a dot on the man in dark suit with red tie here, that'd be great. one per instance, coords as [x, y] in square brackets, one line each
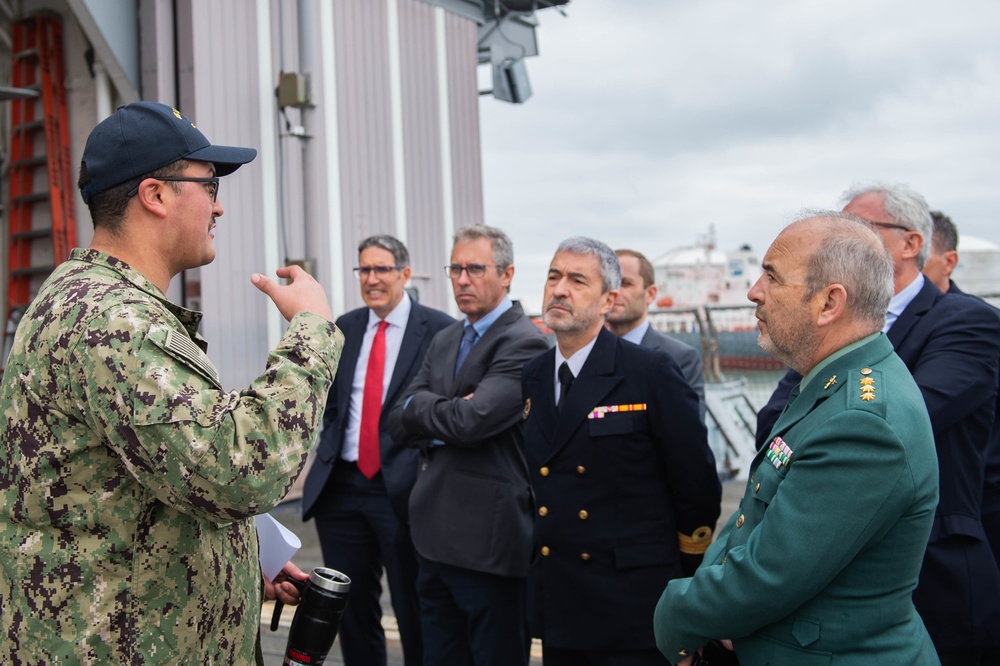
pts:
[359, 485]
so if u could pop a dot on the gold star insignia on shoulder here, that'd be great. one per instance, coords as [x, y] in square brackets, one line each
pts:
[830, 382]
[867, 385]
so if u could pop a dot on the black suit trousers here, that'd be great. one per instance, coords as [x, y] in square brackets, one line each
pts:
[359, 534]
[471, 618]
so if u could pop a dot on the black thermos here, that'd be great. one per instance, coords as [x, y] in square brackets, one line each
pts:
[317, 619]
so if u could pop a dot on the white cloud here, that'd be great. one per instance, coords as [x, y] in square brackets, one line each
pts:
[653, 119]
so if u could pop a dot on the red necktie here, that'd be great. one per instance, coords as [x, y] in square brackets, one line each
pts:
[369, 460]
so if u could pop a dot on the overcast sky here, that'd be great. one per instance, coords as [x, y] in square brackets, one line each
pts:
[653, 119]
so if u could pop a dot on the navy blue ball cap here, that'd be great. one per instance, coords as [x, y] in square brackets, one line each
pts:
[145, 136]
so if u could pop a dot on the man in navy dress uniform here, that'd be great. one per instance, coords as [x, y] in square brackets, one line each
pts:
[626, 489]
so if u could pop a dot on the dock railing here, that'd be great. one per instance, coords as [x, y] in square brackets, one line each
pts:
[739, 376]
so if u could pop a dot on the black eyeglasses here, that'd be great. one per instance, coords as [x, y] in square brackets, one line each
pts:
[888, 225]
[362, 272]
[454, 271]
[211, 184]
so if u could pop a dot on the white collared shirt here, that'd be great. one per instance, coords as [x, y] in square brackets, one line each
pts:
[636, 335]
[393, 341]
[575, 363]
[901, 300]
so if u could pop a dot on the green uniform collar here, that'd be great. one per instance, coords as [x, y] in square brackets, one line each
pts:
[818, 368]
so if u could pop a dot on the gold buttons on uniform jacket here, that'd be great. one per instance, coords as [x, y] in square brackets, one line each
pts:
[757, 487]
[545, 551]
[544, 471]
[584, 556]
[581, 469]
[739, 521]
[583, 514]
[543, 511]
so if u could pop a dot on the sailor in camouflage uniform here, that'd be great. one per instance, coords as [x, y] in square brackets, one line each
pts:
[818, 564]
[128, 476]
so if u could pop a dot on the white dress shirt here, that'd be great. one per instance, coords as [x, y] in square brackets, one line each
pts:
[393, 341]
[575, 363]
[901, 300]
[636, 335]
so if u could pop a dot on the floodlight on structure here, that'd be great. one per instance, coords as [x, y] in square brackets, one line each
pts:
[510, 81]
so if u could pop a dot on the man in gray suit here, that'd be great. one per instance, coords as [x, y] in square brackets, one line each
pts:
[471, 506]
[628, 320]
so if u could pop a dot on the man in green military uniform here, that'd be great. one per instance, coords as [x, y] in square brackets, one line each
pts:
[128, 476]
[818, 564]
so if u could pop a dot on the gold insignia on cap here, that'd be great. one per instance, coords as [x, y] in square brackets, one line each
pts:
[830, 382]
[866, 371]
[527, 410]
[177, 114]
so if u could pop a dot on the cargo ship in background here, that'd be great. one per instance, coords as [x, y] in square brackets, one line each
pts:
[702, 300]
[702, 297]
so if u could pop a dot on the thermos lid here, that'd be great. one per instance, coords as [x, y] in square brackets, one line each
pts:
[330, 579]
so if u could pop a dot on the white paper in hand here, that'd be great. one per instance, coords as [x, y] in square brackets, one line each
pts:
[276, 544]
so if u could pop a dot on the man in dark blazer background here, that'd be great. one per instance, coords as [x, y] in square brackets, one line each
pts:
[951, 345]
[940, 263]
[470, 510]
[628, 319]
[625, 482]
[358, 496]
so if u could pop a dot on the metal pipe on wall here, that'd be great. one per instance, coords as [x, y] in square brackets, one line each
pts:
[330, 159]
[268, 156]
[102, 92]
[310, 231]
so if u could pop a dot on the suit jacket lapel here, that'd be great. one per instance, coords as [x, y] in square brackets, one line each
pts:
[913, 313]
[543, 406]
[413, 337]
[481, 345]
[648, 337]
[451, 338]
[354, 334]
[596, 380]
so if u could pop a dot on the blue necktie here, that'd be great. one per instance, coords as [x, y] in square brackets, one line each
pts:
[469, 336]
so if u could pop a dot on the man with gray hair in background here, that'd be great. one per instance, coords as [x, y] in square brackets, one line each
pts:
[942, 261]
[626, 488]
[470, 509]
[950, 343]
[818, 563]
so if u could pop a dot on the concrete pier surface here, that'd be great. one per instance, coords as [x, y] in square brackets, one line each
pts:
[310, 556]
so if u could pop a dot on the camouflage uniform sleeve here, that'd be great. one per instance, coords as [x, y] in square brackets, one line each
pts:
[207, 452]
